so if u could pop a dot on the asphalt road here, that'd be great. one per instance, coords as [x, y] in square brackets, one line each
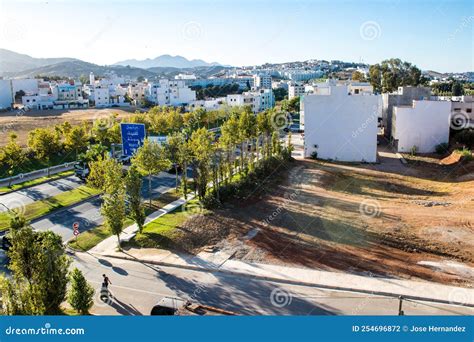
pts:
[87, 213]
[21, 198]
[136, 287]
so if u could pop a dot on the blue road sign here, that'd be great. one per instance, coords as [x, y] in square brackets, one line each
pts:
[133, 136]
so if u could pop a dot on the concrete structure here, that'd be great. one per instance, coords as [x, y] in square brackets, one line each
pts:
[212, 104]
[263, 81]
[170, 93]
[421, 126]
[259, 100]
[403, 97]
[28, 85]
[56, 96]
[341, 126]
[295, 90]
[6, 96]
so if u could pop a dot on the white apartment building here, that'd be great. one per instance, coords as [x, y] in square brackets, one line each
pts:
[258, 100]
[28, 85]
[58, 96]
[212, 104]
[137, 92]
[263, 81]
[341, 126]
[6, 95]
[101, 96]
[421, 126]
[170, 93]
[295, 90]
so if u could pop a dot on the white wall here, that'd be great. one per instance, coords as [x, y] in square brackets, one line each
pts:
[344, 127]
[5, 94]
[28, 85]
[424, 125]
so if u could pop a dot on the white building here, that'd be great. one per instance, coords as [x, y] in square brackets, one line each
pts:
[6, 96]
[263, 81]
[341, 126]
[421, 126]
[56, 96]
[27, 85]
[259, 100]
[101, 96]
[295, 90]
[211, 104]
[170, 93]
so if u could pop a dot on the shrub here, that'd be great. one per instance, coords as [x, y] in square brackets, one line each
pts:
[442, 148]
[81, 294]
[465, 137]
[466, 154]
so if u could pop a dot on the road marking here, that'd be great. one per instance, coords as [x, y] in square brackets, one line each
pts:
[131, 289]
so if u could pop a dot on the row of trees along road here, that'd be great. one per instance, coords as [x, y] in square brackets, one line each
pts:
[65, 142]
[255, 138]
[40, 274]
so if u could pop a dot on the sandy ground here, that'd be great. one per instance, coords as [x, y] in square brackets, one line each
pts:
[386, 219]
[21, 123]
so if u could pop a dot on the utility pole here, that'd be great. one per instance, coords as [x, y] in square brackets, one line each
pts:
[400, 302]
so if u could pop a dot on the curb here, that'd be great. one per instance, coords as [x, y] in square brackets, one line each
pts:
[292, 282]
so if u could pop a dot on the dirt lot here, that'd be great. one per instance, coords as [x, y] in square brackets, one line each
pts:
[386, 219]
[22, 123]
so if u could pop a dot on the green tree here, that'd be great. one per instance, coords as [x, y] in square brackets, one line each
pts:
[12, 155]
[45, 143]
[105, 174]
[457, 89]
[39, 264]
[172, 146]
[17, 221]
[76, 139]
[81, 294]
[393, 73]
[151, 159]
[113, 210]
[133, 186]
[201, 146]
[358, 76]
[247, 131]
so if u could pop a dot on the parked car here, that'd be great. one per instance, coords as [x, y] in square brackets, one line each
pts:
[169, 306]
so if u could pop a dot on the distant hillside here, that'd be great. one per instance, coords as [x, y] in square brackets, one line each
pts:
[11, 61]
[200, 72]
[76, 68]
[165, 61]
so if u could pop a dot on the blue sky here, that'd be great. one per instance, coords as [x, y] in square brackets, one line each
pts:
[434, 35]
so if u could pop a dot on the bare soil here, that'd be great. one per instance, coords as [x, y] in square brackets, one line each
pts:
[364, 219]
[23, 122]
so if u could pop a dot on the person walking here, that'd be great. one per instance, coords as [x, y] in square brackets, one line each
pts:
[106, 281]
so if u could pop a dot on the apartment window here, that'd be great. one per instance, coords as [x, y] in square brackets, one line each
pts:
[468, 110]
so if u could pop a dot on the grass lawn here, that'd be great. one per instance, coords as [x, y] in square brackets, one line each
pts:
[6, 189]
[48, 205]
[91, 238]
[162, 232]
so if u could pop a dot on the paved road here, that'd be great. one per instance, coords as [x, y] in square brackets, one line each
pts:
[88, 213]
[137, 286]
[27, 196]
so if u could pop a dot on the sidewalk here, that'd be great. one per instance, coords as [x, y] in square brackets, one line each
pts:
[111, 244]
[219, 263]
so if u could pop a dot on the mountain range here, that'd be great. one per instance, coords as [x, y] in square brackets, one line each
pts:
[166, 61]
[18, 65]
